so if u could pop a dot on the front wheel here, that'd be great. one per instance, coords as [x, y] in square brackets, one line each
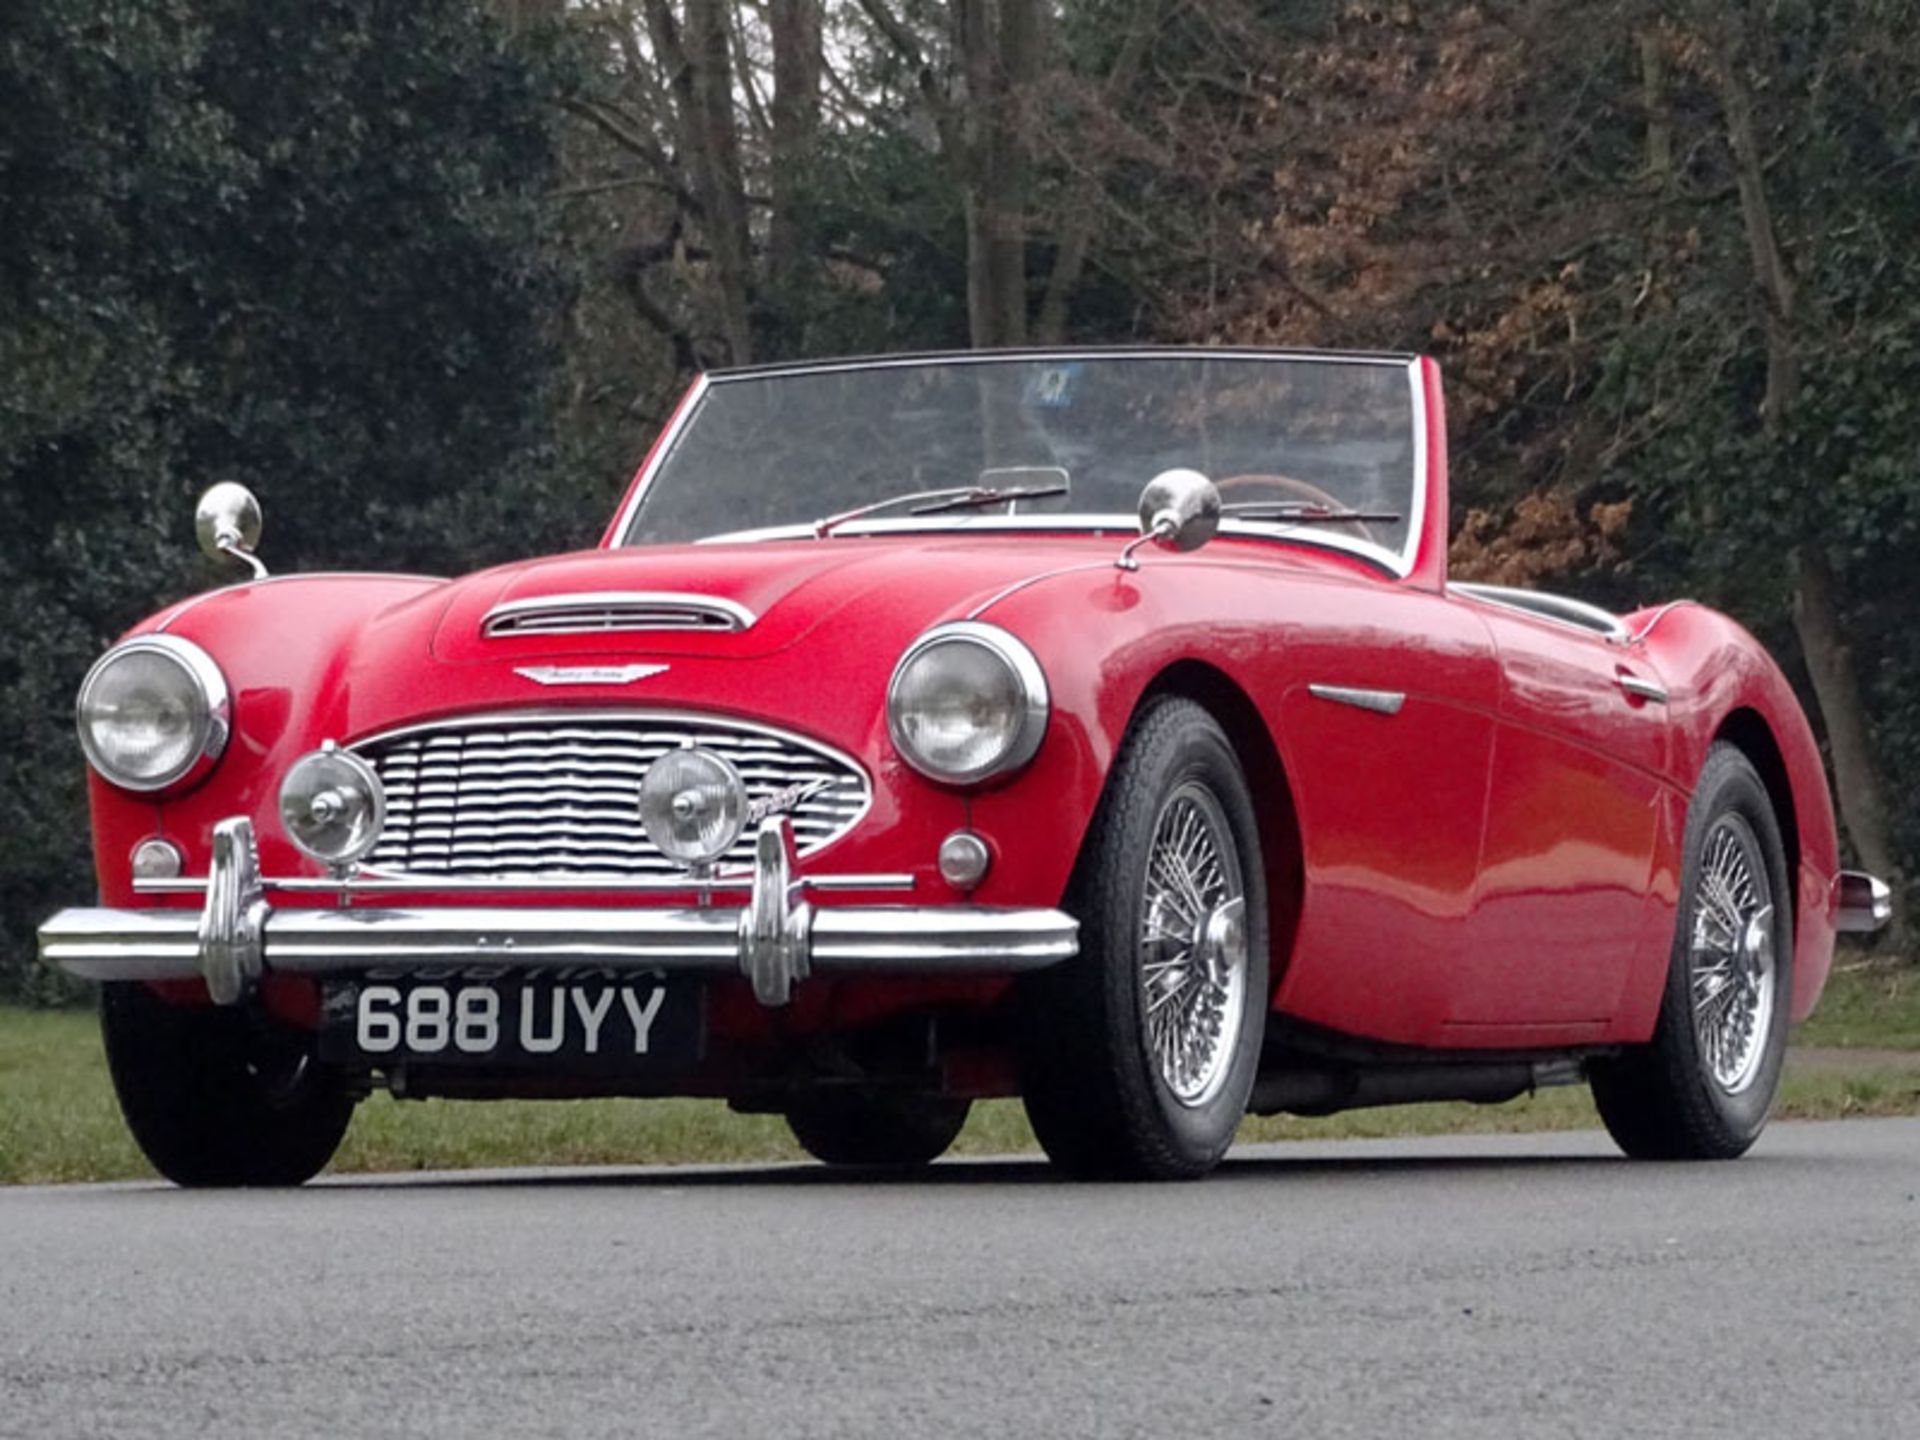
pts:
[846, 1127]
[1139, 1054]
[217, 1096]
[1702, 1088]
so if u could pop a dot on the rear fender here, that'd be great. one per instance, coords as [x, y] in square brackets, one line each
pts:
[1722, 685]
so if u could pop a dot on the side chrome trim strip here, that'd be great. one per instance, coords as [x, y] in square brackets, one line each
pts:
[1380, 702]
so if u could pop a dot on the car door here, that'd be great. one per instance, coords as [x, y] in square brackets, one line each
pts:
[1574, 813]
[1387, 724]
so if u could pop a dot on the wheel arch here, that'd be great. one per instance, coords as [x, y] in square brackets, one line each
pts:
[1748, 732]
[1220, 696]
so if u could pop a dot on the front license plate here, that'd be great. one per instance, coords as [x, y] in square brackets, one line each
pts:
[576, 1024]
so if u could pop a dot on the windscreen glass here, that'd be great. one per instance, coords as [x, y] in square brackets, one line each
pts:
[778, 452]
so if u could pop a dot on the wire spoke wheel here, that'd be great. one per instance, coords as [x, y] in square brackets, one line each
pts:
[1193, 946]
[1731, 955]
[1701, 1086]
[1137, 1056]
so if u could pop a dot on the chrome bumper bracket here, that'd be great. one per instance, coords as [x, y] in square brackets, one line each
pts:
[776, 927]
[235, 915]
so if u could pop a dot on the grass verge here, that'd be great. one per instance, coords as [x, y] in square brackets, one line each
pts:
[59, 1122]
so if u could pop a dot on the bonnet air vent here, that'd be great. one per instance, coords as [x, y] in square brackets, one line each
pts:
[612, 612]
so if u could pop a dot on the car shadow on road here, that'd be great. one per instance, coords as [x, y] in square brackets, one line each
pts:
[963, 1173]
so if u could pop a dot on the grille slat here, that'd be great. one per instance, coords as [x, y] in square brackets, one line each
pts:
[546, 796]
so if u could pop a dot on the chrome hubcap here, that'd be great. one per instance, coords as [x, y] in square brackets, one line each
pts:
[1193, 946]
[1732, 961]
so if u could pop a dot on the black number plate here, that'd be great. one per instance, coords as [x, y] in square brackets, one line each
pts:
[599, 1022]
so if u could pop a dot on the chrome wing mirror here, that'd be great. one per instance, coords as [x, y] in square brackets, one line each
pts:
[227, 524]
[1179, 510]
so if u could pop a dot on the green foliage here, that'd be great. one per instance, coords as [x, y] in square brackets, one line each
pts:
[297, 243]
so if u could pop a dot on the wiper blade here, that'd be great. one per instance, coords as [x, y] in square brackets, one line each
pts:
[1306, 512]
[981, 496]
[958, 497]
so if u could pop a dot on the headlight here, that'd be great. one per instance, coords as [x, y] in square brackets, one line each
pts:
[333, 805]
[692, 805]
[967, 702]
[151, 711]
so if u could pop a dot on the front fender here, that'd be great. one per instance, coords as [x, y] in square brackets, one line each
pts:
[1104, 636]
[280, 643]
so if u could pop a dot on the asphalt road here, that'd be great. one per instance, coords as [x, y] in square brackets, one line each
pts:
[1528, 1286]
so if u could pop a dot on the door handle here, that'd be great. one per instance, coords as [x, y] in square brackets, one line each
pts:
[1639, 688]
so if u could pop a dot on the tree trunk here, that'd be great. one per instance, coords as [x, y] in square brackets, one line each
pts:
[700, 80]
[1017, 65]
[974, 161]
[1817, 608]
[982, 119]
[1653, 100]
[1076, 226]
[1836, 683]
[709, 50]
[795, 31]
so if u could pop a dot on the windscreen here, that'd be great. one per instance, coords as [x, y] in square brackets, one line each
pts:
[776, 452]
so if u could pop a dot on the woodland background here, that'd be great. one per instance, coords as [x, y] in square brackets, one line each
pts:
[428, 275]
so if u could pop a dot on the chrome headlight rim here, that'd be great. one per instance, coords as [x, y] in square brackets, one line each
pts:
[215, 724]
[1036, 701]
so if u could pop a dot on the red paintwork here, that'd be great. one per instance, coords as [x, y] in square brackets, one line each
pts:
[1497, 866]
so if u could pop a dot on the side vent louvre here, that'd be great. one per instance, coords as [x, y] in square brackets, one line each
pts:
[614, 612]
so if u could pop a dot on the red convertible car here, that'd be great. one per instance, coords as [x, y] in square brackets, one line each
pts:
[1094, 726]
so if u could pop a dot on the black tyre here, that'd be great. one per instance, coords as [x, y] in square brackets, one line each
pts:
[1702, 1088]
[1138, 1054]
[220, 1097]
[851, 1127]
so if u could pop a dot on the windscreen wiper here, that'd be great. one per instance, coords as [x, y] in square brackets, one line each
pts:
[1306, 512]
[959, 497]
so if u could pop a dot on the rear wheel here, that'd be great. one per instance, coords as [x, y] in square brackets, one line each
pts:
[217, 1096]
[852, 1127]
[1702, 1088]
[1139, 1054]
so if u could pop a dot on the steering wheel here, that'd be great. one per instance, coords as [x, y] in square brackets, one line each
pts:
[1312, 494]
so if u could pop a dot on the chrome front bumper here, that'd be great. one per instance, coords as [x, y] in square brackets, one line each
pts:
[776, 940]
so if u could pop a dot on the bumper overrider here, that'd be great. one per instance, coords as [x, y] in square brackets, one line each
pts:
[776, 940]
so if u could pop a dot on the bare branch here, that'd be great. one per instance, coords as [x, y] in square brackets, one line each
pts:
[939, 103]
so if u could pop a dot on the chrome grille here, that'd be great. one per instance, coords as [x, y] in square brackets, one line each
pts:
[613, 612]
[557, 794]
